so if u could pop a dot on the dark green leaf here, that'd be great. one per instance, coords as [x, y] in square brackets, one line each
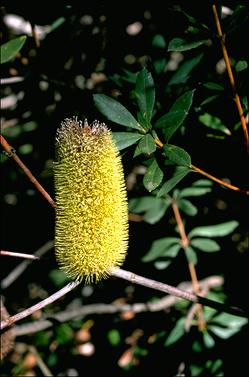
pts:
[159, 248]
[153, 176]
[187, 207]
[213, 86]
[179, 44]
[218, 230]
[125, 139]
[214, 123]
[159, 41]
[177, 332]
[147, 144]
[145, 93]
[177, 155]
[114, 337]
[159, 65]
[208, 340]
[171, 121]
[154, 214]
[182, 74]
[9, 50]
[209, 99]
[114, 111]
[191, 255]
[153, 207]
[64, 333]
[205, 244]
[180, 173]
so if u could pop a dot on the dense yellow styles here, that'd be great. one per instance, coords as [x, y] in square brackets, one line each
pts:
[91, 232]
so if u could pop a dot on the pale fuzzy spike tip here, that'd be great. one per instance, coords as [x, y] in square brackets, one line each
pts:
[91, 232]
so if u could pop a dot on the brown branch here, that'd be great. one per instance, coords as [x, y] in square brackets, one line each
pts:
[18, 255]
[11, 153]
[191, 266]
[100, 308]
[231, 77]
[223, 183]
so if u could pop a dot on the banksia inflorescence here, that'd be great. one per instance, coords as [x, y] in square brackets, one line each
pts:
[91, 232]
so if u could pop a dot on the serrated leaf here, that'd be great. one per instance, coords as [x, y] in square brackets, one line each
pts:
[194, 191]
[159, 248]
[153, 176]
[191, 255]
[214, 122]
[179, 174]
[125, 139]
[171, 121]
[205, 244]
[218, 230]
[177, 155]
[114, 111]
[176, 333]
[179, 44]
[182, 74]
[147, 144]
[145, 94]
[9, 49]
[187, 207]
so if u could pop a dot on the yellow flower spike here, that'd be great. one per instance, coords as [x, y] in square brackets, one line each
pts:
[91, 231]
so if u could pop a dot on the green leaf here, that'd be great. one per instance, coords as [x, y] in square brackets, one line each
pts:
[191, 255]
[10, 49]
[160, 247]
[158, 41]
[147, 144]
[202, 182]
[241, 65]
[145, 93]
[214, 123]
[230, 320]
[205, 244]
[162, 265]
[208, 340]
[223, 332]
[194, 191]
[114, 111]
[114, 337]
[153, 176]
[153, 207]
[179, 174]
[213, 86]
[179, 44]
[218, 230]
[187, 207]
[177, 332]
[177, 155]
[64, 333]
[125, 139]
[171, 121]
[182, 74]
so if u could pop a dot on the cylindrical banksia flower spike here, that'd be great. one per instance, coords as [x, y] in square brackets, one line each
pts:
[91, 232]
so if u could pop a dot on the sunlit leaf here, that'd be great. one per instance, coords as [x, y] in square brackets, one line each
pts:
[114, 111]
[218, 230]
[125, 139]
[9, 49]
[153, 176]
[205, 244]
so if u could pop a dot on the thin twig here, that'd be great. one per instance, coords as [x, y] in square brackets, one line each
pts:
[11, 153]
[35, 35]
[43, 367]
[18, 270]
[231, 76]
[163, 303]
[11, 80]
[18, 255]
[191, 266]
